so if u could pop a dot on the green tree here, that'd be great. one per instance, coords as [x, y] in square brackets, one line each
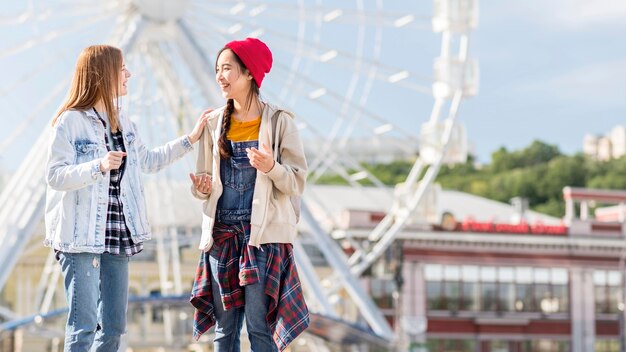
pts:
[538, 172]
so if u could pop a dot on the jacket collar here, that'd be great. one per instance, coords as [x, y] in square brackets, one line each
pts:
[91, 113]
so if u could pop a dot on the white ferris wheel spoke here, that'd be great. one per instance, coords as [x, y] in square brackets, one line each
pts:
[53, 35]
[341, 170]
[332, 107]
[311, 71]
[341, 15]
[330, 56]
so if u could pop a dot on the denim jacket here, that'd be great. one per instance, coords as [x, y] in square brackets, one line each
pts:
[77, 193]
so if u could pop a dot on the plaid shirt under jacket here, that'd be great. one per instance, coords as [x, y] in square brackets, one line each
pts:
[287, 316]
[117, 237]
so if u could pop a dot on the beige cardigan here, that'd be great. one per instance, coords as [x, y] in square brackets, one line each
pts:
[273, 218]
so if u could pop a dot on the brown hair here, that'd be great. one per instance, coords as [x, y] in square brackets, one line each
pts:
[95, 79]
[224, 146]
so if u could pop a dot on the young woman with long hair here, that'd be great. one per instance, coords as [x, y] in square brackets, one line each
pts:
[95, 208]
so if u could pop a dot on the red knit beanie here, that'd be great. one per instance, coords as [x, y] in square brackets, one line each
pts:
[256, 56]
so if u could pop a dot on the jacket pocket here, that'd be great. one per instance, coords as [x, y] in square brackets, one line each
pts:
[85, 150]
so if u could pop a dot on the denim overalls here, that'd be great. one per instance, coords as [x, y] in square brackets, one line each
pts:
[238, 178]
[234, 209]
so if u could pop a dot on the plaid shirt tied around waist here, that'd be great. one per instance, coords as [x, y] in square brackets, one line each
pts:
[287, 316]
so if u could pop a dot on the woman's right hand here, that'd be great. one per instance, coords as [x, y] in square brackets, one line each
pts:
[202, 182]
[111, 161]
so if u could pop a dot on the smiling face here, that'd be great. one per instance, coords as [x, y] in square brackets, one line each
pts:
[234, 80]
[123, 79]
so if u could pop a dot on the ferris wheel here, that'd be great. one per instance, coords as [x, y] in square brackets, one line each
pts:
[359, 70]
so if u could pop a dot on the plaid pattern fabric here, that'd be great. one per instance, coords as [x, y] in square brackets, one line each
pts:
[117, 238]
[288, 315]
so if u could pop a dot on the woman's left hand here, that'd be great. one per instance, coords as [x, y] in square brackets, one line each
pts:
[195, 134]
[262, 160]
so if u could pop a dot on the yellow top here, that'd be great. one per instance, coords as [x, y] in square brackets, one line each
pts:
[244, 131]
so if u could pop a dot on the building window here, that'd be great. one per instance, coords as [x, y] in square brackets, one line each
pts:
[488, 292]
[434, 296]
[608, 292]
[469, 301]
[496, 289]
[545, 345]
[499, 346]
[382, 292]
[607, 345]
[449, 345]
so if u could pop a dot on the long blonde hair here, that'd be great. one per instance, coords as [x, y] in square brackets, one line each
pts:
[96, 78]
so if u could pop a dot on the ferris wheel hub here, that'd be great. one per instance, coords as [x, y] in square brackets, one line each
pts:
[162, 10]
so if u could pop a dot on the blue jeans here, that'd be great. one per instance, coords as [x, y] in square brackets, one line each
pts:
[229, 323]
[96, 288]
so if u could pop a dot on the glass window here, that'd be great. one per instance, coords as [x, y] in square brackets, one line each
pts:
[524, 275]
[523, 297]
[542, 275]
[543, 298]
[560, 293]
[469, 301]
[452, 293]
[499, 346]
[599, 277]
[433, 272]
[602, 304]
[470, 273]
[433, 295]
[488, 274]
[447, 345]
[381, 291]
[559, 276]
[488, 294]
[607, 345]
[608, 291]
[614, 298]
[452, 273]
[505, 289]
[506, 297]
[545, 346]
[505, 275]
[614, 278]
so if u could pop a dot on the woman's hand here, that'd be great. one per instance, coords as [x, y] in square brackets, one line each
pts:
[195, 134]
[202, 182]
[262, 160]
[111, 161]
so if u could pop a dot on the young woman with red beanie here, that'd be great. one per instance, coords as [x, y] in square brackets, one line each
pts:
[250, 164]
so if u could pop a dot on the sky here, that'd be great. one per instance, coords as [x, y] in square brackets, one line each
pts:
[552, 70]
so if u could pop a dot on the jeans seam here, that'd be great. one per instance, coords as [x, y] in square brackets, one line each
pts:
[73, 291]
